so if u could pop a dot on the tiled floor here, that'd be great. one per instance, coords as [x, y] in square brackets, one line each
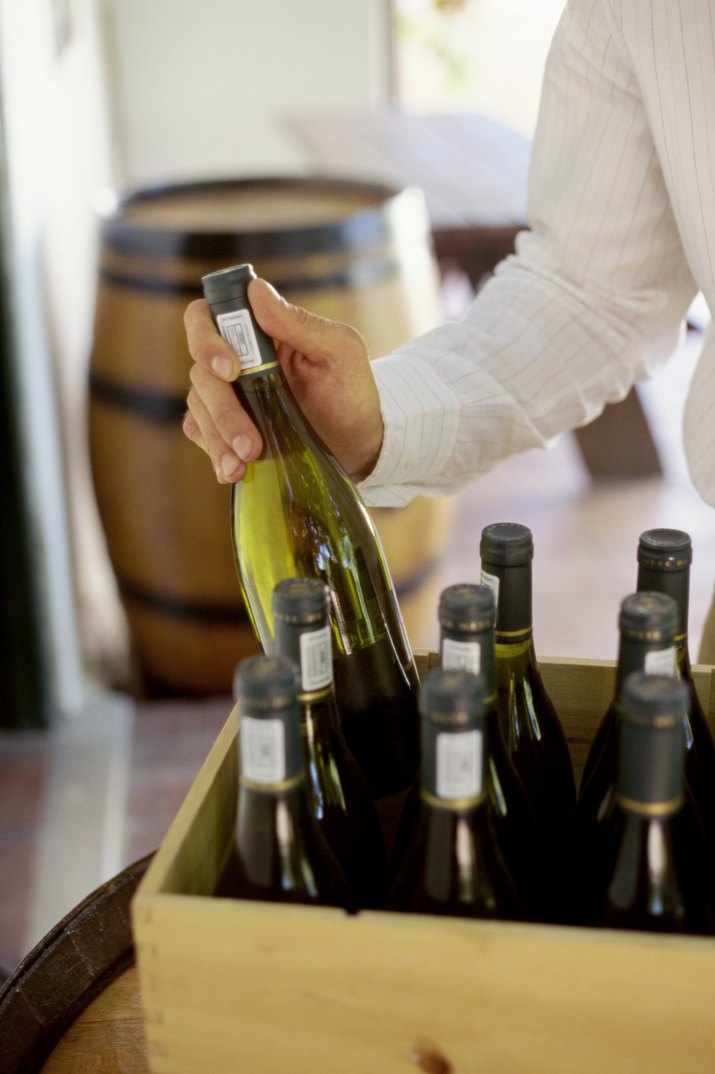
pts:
[81, 802]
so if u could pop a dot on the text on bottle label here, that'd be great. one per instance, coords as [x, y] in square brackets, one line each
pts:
[237, 329]
[262, 750]
[461, 655]
[459, 764]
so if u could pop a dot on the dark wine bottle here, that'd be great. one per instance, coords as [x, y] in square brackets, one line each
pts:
[279, 852]
[296, 513]
[339, 793]
[454, 864]
[644, 865]
[467, 616]
[647, 625]
[664, 558]
[530, 724]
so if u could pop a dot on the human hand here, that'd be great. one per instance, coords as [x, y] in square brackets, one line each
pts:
[327, 367]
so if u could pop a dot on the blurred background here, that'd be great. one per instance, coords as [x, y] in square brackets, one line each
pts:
[103, 99]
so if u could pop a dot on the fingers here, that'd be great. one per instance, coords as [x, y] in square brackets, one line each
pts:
[218, 424]
[215, 420]
[206, 344]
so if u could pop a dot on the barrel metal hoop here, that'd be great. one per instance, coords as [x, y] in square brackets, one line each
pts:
[157, 406]
[353, 275]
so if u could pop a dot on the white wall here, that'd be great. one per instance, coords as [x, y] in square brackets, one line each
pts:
[100, 94]
[484, 56]
[199, 86]
[55, 134]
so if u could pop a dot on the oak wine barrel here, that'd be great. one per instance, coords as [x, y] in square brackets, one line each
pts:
[82, 961]
[353, 251]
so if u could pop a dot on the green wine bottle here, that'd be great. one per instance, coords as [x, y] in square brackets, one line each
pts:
[454, 864]
[279, 852]
[296, 513]
[339, 793]
[644, 865]
[664, 558]
[535, 738]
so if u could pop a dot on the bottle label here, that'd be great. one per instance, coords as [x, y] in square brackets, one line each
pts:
[491, 582]
[237, 329]
[459, 764]
[660, 662]
[316, 659]
[262, 750]
[461, 655]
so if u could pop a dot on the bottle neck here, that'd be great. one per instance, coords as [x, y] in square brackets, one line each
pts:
[242, 332]
[650, 774]
[310, 646]
[674, 583]
[270, 752]
[512, 597]
[453, 767]
[637, 654]
[471, 651]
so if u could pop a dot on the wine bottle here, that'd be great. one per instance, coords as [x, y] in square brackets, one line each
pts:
[339, 793]
[530, 724]
[664, 558]
[644, 866]
[647, 625]
[279, 852]
[466, 641]
[454, 864]
[296, 513]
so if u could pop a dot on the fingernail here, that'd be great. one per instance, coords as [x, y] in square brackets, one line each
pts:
[242, 445]
[229, 464]
[222, 367]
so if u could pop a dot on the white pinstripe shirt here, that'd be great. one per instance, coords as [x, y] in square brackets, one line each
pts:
[622, 236]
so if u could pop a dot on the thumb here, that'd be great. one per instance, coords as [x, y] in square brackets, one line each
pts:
[294, 326]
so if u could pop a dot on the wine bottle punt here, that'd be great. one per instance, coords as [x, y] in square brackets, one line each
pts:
[296, 513]
[339, 793]
[644, 867]
[535, 738]
[454, 864]
[279, 852]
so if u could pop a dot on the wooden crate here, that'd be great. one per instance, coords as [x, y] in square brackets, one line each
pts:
[234, 987]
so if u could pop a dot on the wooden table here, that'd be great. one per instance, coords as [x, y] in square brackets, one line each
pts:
[473, 172]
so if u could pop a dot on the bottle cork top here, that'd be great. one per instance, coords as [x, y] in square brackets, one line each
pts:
[506, 544]
[227, 284]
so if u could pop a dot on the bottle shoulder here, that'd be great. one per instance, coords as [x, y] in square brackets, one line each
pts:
[280, 853]
[454, 866]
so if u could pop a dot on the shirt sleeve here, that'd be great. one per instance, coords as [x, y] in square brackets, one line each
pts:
[592, 301]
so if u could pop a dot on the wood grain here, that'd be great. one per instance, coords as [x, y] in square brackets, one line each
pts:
[108, 1037]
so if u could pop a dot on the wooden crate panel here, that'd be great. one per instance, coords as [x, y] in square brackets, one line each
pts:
[238, 987]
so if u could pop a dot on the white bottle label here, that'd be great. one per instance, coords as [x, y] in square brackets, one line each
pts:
[459, 764]
[491, 582]
[461, 655]
[316, 659]
[237, 329]
[660, 662]
[262, 750]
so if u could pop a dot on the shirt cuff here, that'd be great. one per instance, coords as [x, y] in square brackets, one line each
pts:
[419, 415]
